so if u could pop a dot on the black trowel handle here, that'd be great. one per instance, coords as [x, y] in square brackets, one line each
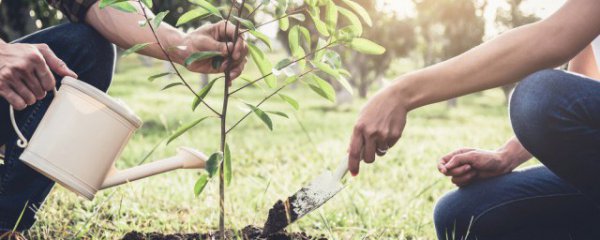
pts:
[342, 169]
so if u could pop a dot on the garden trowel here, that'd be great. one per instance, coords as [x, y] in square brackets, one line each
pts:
[307, 199]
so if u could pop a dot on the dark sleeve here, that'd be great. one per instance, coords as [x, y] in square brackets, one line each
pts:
[75, 10]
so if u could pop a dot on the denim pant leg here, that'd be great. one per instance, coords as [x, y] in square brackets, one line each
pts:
[92, 57]
[556, 116]
[530, 204]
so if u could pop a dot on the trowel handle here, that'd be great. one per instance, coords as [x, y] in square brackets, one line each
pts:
[341, 169]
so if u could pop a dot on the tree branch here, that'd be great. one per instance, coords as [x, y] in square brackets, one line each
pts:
[264, 100]
[171, 60]
[271, 73]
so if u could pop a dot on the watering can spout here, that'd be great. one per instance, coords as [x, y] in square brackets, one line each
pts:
[185, 158]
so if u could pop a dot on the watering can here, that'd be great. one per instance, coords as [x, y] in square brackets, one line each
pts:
[81, 136]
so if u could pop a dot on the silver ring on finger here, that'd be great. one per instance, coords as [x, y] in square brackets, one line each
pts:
[382, 151]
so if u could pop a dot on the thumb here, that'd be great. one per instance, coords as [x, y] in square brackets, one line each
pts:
[56, 64]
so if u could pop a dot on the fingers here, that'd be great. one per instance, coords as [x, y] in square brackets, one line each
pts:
[54, 62]
[24, 92]
[354, 153]
[34, 84]
[460, 159]
[465, 179]
[459, 171]
[14, 99]
[448, 156]
[369, 151]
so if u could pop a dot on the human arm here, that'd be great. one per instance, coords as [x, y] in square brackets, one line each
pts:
[585, 63]
[505, 59]
[466, 165]
[25, 72]
[123, 29]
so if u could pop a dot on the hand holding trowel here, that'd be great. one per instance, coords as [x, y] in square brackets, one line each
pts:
[307, 199]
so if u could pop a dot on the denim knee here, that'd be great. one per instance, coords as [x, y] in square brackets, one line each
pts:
[450, 216]
[537, 107]
[94, 54]
[84, 50]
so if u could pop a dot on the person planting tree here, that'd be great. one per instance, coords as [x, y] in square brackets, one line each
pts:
[555, 116]
[83, 49]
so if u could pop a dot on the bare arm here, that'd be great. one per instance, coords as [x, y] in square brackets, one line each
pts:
[123, 29]
[585, 63]
[506, 59]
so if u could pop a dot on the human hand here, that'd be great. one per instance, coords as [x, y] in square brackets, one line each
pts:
[467, 165]
[216, 37]
[25, 72]
[378, 128]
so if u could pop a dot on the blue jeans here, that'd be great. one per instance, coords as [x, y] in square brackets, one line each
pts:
[556, 116]
[92, 57]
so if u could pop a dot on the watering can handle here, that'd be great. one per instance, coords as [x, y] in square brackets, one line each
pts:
[22, 142]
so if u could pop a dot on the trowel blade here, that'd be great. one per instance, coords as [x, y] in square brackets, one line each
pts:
[307, 199]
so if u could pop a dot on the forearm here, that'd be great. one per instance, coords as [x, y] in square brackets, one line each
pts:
[123, 29]
[514, 153]
[506, 59]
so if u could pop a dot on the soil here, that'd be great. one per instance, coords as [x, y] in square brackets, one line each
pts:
[280, 216]
[248, 233]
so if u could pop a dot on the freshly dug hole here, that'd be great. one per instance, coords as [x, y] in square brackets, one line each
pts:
[248, 233]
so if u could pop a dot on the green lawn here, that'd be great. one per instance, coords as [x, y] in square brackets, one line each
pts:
[391, 199]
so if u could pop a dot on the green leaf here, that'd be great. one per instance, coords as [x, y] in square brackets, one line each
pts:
[283, 64]
[290, 101]
[366, 46]
[262, 37]
[331, 16]
[209, 7]
[202, 94]
[284, 24]
[344, 82]
[122, 5]
[227, 165]
[191, 15]
[299, 53]
[360, 11]
[158, 19]
[170, 85]
[354, 20]
[135, 48]
[294, 39]
[327, 69]
[200, 184]
[322, 87]
[212, 164]
[306, 34]
[199, 56]
[318, 56]
[263, 64]
[319, 25]
[245, 22]
[298, 16]
[281, 114]
[182, 129]
[154, 77]
[262, 115]
[148, 3]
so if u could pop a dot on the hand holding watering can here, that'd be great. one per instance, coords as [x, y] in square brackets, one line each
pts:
[95, 129]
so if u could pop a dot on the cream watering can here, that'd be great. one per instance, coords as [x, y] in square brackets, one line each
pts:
[82, 135]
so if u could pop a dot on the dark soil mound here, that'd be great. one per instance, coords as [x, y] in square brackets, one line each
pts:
[248, 233]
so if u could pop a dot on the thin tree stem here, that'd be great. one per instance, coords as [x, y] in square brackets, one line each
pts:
[162, 48]
[271, 73]
[264, 100]
[224, 118]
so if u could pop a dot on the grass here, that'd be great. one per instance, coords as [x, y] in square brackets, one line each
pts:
[391, 199]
